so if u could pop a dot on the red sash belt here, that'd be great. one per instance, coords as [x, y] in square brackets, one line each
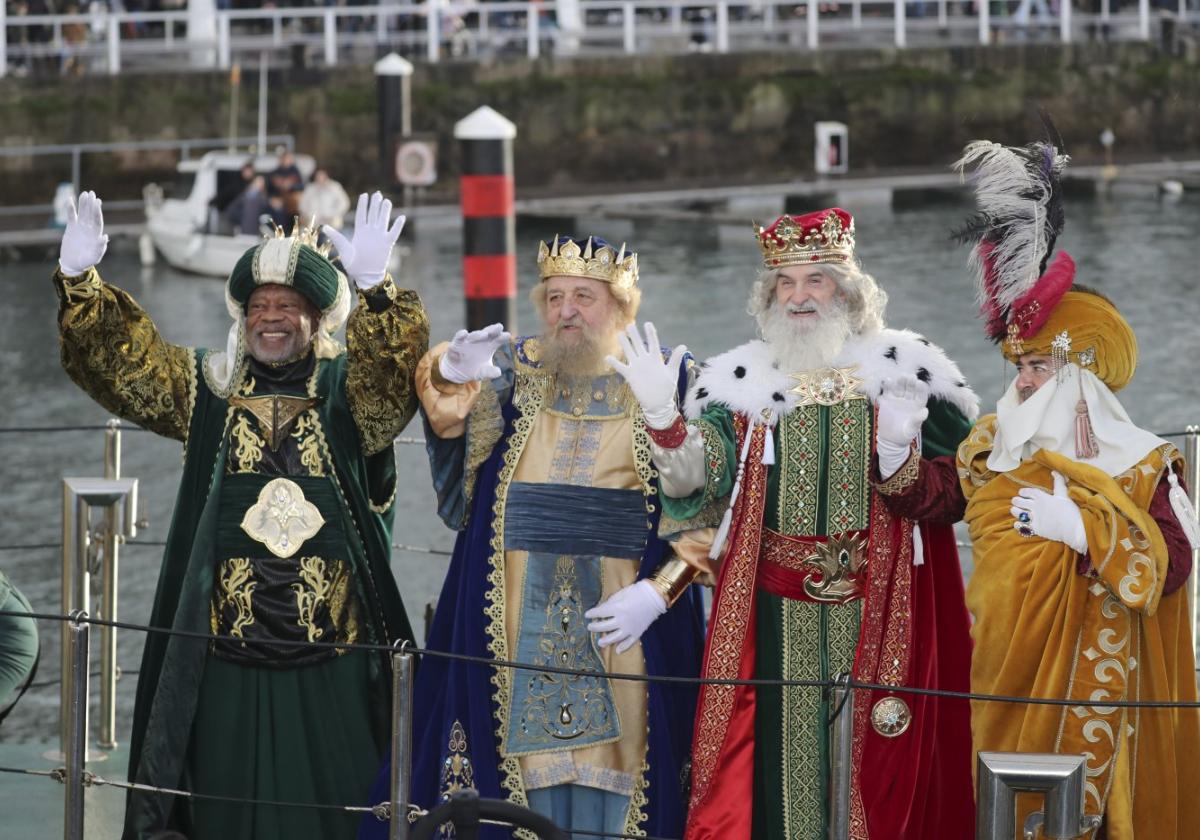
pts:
[821, 570]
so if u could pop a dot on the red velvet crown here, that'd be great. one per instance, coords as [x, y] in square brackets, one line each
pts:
[823, 236]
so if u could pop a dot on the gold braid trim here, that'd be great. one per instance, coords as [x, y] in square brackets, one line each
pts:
[384, 348]
[80, 288]
[904, 477]
[381, 509]
[528, 399]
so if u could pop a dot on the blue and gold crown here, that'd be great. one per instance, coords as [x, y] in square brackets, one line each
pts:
[563, 257]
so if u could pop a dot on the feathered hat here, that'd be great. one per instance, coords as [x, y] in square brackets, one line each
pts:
[1020, 215]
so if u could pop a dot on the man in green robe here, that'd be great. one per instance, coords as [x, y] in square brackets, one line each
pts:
[281, 536]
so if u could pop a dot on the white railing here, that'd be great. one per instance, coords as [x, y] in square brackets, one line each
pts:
[115, 41]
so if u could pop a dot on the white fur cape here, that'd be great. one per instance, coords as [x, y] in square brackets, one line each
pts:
[747, 379]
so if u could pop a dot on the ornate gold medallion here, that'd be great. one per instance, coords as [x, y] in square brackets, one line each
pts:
[282, 519]
[827, 386]
[840, 562]
[891, 717]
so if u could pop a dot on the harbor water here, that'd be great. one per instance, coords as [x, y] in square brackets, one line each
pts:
[1137, 249]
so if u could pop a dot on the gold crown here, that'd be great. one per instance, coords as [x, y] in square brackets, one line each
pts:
[566, 259]
[815, 238]
[305, 234]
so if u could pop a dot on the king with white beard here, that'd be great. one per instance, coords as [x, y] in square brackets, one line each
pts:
[770, 486]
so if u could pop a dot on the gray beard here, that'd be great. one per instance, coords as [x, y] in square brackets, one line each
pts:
[585, 358]
[805, 346]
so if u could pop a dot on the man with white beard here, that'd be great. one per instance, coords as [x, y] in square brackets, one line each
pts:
[815, 577]
[541, 461]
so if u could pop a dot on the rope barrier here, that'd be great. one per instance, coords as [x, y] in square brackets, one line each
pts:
[420, 549]
[130, 427]
[381, 811]
[648, 678]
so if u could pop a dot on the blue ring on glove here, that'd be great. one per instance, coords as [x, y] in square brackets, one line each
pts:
[1025, 531]
[1023, 516]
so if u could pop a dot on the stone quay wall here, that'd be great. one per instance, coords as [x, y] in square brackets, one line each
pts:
[615, 124]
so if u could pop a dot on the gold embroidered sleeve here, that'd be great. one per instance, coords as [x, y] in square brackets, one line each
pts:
[386, 336]
[111, 349]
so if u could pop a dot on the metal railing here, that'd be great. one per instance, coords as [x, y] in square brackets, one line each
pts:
[113, 42]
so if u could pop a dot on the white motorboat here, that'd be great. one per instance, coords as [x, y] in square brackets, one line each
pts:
[188, 231]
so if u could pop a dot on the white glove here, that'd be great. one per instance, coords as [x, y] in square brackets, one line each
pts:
[469, 356]
[902, 410]
[84, 241]
[626, 614]
[365, 258]
[1051, 517]
[652, 381]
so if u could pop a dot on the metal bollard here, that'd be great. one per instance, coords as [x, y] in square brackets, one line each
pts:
[79, 496]
[841, 740]
[78, 636]
[1000, 776]
[402, 720]
[485, 140]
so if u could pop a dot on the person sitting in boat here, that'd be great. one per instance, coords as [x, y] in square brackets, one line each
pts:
[1081, 530]
[280, 541]
[324, 201]
[287, 183]
[247, 210]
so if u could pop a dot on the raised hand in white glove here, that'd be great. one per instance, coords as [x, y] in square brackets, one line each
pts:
[625, 616]
[902, 410]
[469, 356]
[84, 241]
[1052, 517]
[365, 256]
[652, 381]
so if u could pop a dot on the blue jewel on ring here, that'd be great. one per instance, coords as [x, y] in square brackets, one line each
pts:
[1023, 517]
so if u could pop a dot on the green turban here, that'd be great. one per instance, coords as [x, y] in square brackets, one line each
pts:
[286, 262]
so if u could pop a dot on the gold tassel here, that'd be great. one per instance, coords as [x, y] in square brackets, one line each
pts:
[1085, 436]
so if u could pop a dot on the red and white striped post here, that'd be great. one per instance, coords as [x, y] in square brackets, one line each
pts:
[489, 220]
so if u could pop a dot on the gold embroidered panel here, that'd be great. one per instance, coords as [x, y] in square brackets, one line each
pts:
[800, 450]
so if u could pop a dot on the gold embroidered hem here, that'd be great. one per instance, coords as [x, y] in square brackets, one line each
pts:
[903, 478]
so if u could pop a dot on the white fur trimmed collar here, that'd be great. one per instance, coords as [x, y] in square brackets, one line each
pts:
[748, 380]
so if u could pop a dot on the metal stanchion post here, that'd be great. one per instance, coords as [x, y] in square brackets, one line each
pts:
[841, 740]
[76, 718]
[1191, 459]
[75, 594]
[1060, 778]
[402, 721]
[79, 496]
[108, 602]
